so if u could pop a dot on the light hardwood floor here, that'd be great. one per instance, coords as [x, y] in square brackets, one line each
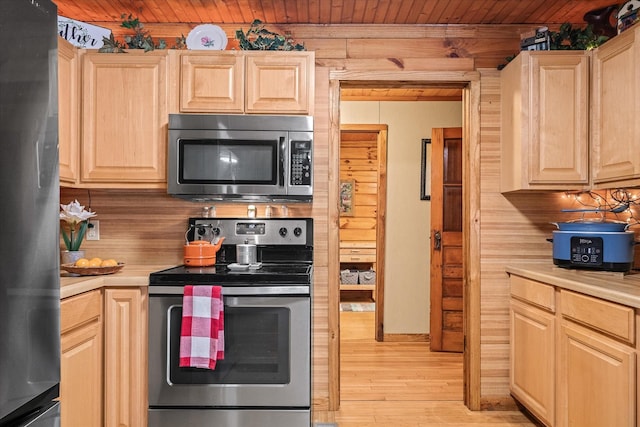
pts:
[403, 384]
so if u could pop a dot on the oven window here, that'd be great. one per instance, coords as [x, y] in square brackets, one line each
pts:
[228, 162]
[256, 348]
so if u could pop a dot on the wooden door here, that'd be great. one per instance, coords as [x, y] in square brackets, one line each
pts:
[446, 332]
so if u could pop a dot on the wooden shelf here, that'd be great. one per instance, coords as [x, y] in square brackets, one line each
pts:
[371, 287]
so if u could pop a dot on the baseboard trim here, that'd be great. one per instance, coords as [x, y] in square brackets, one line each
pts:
[405, 337]
[498, 403]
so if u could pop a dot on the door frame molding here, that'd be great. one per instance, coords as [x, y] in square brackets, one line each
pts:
[469, 81]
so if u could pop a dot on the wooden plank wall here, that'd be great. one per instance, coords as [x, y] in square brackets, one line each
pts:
[359, 162]
[514, 228]
[150, 225]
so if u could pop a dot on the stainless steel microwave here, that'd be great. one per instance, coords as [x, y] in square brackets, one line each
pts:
[240, 157]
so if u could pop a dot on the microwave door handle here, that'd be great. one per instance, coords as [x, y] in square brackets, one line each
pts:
[283, 160]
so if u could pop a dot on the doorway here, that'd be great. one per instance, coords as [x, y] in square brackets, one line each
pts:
[363, 206]
[469, 84]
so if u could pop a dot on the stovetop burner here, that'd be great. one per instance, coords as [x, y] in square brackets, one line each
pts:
[298, 274]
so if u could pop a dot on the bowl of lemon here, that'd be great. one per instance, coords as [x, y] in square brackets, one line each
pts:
[93, 267]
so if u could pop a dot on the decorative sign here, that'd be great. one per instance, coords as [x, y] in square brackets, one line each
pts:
[347, 188]
[81, 34]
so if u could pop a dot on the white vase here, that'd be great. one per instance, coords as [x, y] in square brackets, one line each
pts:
[70, 257]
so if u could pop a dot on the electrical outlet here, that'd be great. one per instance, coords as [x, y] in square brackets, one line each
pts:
[93, 230]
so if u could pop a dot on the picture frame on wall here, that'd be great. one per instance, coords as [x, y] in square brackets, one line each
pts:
[425, 170]
[347, 190]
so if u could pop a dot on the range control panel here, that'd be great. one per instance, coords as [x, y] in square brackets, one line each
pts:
[586, 250]
[267, 231]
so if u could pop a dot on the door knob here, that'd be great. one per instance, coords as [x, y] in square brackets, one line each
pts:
[438, 240]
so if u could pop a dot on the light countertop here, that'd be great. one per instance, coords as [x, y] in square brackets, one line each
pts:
[615, 287]
[130, 275]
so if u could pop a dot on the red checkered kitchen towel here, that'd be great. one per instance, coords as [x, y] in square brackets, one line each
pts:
[202, 332]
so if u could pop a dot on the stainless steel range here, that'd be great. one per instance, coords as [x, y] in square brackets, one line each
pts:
[265, 377]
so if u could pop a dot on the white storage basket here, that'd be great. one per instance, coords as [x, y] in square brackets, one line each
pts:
[349, 277]
[367, 277]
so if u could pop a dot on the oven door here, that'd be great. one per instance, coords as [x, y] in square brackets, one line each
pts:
[266, 357]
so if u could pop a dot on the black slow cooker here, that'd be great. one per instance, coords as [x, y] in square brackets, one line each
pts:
[596, 245]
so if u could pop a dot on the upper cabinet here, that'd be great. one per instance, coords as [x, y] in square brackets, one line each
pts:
[615, 132]
[68, 111]
[280, 83]
[545, 110]
[211, 83]
[246, 82]
[114, 108]
[124, 119]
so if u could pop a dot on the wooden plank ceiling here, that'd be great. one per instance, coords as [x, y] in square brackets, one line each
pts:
[399, 12]
[339, 12]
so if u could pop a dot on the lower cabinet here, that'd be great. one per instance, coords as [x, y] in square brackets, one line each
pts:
[125, 363]
[596, 379]
[532, 350]
[81, 396]
[596, 362]
[573, 356]
[104, 358]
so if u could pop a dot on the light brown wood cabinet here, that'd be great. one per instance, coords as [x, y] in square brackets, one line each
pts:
[596, 363]
[68, 112]
[104, 358]
[124, 119]
[125, 364]
[615, 133]
[359, 256]
[211, 82]
[118, 138]
[246, 82]
[532, 351]
[573, 356]
[81, 392]
[545, 121]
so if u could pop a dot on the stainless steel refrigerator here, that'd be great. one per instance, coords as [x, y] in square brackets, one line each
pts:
[29, 218]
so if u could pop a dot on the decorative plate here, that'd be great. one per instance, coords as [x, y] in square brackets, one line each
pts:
[628, 15]
[91, 271]
[207, 37]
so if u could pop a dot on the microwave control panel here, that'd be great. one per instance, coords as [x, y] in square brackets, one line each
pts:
[300, 162]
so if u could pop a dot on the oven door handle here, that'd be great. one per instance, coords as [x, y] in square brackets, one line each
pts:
[238, 290]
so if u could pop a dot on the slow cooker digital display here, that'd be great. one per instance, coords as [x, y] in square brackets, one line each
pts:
[586, 250]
